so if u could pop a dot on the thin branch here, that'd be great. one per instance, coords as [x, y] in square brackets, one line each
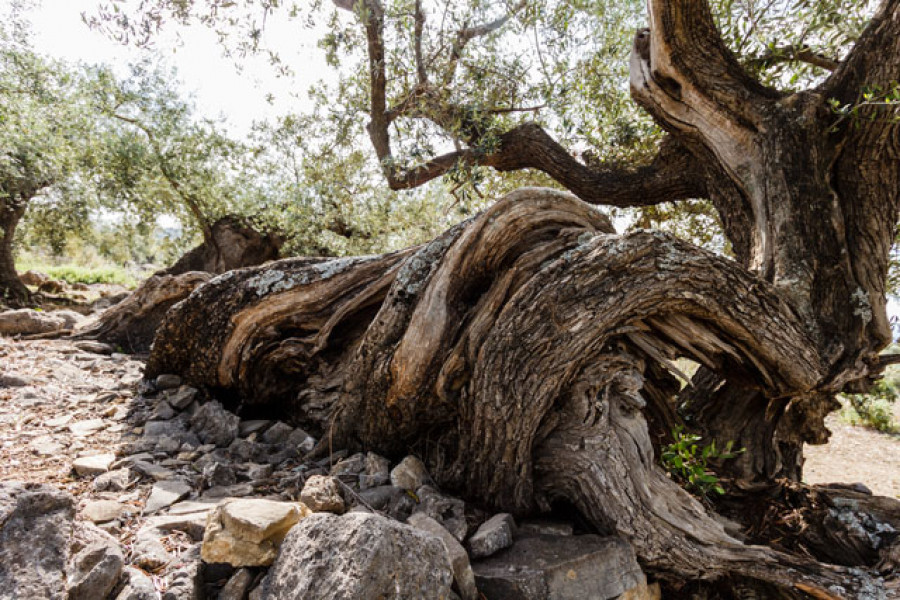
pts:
[192, 203]
[417, 42]
[802, 54]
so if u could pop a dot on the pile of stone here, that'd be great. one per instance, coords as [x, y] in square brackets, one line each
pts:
[199, 503]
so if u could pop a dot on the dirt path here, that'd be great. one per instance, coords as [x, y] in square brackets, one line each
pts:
[857, 454]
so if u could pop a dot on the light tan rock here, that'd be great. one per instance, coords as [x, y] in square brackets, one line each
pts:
[410, 474]
[93, 465]
[248, 532]
[322, 493]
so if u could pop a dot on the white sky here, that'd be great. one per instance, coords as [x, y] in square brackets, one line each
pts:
[219, 89]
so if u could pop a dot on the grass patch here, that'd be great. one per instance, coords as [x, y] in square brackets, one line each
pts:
[72, 273]
[875, 409]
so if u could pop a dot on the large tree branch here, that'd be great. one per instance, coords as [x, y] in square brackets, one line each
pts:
[672, 175]
[803, 54]
[874, 60]
[686, 58]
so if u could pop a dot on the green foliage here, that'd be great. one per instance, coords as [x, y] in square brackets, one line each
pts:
[874, 409]
[689, 462]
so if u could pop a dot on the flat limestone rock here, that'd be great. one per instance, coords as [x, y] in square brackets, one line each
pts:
[361, 556]
[248, 532]
[27, 321]
[166, 493]
[93, 465]
[102, 511]
[542, 567]
[322, 493]
[87, 427]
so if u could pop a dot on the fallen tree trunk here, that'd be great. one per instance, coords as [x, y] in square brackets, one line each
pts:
[518, 354]
[132, 323]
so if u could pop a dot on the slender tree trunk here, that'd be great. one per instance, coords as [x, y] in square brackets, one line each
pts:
[12, 291]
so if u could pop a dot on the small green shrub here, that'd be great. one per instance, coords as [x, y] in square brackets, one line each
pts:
[874, 409]
[688, 462]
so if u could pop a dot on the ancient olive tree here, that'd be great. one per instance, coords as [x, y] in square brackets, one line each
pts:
[527, 353]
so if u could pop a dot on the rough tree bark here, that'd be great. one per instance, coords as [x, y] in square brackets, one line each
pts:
[13, 291]
[525, 353]
[231, 243]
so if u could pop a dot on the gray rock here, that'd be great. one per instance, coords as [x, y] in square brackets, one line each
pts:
[494, 535]
[562, 568]
[380, 497]
[253, 426]
[246, 451]
[544, 526]
[152, 470]
[156, 429]
[147, 551]
[138, 586]
[238, 585]
[87, 427]
[378, 472]
[410, 474]
[168, 444]
[349, 469]
[323, 494]
[185, 582]
[163, 411]
[27, 322]
[94, 347]
[446, 510]
[459, 560]
[30, 513]
[167, 381]
[113, 481]
[301, 440]
[277, 433]
[258, 473]
[215, 425]
[218, 474]
[166, 493]
[182, 397]
[95, 571]
[11, 380]
[361, 556]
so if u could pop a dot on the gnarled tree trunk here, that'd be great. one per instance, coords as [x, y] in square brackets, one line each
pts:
[230, 243]
[517, 353]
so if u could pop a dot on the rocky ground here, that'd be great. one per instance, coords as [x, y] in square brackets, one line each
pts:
[140, 490]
